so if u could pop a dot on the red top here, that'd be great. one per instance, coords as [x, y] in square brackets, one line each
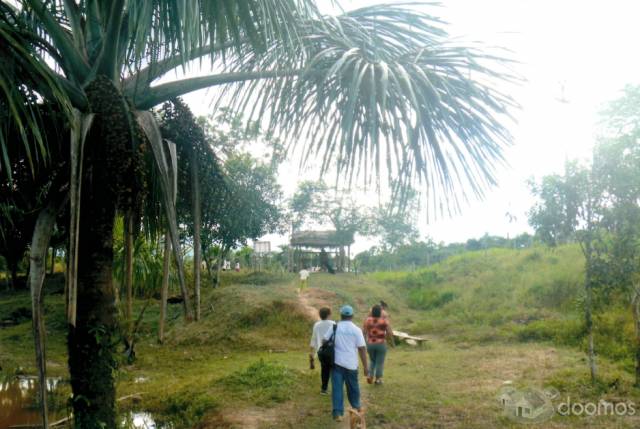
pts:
[376, 329]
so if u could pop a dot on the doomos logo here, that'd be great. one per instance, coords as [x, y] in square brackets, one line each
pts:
[529, 405]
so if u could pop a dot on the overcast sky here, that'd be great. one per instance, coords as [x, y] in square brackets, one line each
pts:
[581, 52]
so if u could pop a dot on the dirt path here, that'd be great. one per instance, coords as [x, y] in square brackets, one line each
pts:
[313, 299]
[247, 418]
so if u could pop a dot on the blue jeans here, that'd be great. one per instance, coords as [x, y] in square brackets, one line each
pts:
[340, 376]
[377, 353]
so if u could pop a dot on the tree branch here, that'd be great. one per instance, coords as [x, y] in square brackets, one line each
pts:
[148, 74]
[167, 91]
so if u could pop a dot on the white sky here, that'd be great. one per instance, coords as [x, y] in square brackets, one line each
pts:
[590, 47]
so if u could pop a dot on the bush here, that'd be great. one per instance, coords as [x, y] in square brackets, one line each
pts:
[187, 409]
[569, 332]
[262, 382]
[429, 299]
[614, 334]
[423, 278]
[560, 293]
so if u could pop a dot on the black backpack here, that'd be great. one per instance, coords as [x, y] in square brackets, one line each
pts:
[327, 352]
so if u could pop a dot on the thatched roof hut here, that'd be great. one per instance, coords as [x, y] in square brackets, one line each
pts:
[305, 245]
[320, 239]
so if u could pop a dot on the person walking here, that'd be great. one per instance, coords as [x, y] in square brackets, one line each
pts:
[320, 328]
[304, 276]
[377, 330]
[349, 343]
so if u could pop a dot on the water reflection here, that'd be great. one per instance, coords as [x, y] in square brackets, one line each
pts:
[142, 420]
[18, 400]
[19, 405]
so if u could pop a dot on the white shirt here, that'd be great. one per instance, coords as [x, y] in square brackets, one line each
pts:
[304, 274]
[319, 329]
[348, 338]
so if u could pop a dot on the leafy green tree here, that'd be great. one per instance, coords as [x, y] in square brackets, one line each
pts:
[382, 79]
[473, 244]
[621, 117]
[557, 218]
[395, 223]
[572, 205]
[616, 162]
[247, 207]
[396, 228]
[243, 195]
[305, 201]
[317, 203]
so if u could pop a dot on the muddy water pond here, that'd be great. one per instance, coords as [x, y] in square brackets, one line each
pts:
[18, 401]
[19, 405]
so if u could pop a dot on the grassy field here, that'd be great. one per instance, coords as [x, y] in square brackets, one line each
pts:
[490, 317]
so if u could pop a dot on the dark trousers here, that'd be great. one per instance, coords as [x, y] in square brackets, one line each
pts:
[325, 374]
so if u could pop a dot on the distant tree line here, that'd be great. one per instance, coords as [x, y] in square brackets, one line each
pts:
[419, 254]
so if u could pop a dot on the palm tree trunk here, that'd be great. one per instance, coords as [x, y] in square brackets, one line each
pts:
[37, 270]
[197, 249]
[165, 287]
[128, 270]
[91, 342]
[107, 169]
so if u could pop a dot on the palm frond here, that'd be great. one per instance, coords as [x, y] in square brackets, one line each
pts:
[80, 126]
[25, 82]
[165, 30]
[385, 90]
[166, 167]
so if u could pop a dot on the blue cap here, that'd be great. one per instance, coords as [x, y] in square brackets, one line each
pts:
[346, 310]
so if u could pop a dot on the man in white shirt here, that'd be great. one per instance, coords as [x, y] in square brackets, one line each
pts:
[320, 328]
[349, 343]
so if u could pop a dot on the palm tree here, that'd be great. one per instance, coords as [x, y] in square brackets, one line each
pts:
[373, 91]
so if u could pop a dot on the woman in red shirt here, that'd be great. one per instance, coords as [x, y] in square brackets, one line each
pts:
[376, 330]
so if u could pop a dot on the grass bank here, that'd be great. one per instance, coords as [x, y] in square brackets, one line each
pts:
[490, 317]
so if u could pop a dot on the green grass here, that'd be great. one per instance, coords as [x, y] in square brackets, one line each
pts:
[513, 295]
[490, 317]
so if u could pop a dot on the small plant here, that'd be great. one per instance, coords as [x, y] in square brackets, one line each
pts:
[428, 299]
[263, 381]
[187, 409]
